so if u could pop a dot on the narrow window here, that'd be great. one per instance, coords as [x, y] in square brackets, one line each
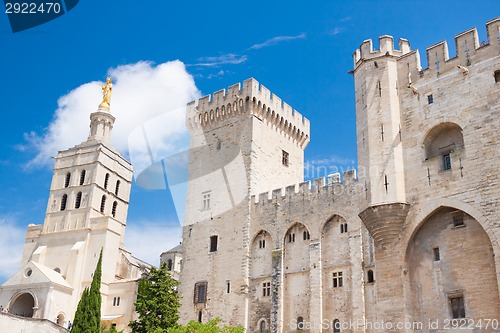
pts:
[458, 221]
[300, 323]
[106, 180]
[219, 145]
[228, 286]
[206, 201]
[78, 200]
[169, 264]
[337, 280]
[67, 180]
[291, 238]
[342, 228]
[446, 162]
[113, 209]
[336, 325]
[103, 203]
[266, 289]
[437, 256]
[430, 99]
[200, 315]
[82, 177]
[345, 227]
[64, 199]
[117, 187]
[370, 276]
[114, 301]
[262, 243]
[497, 76]
[262, 326]
[213, 243]
[200, 292]
[457, 307]
[284, 158]
[306, 235]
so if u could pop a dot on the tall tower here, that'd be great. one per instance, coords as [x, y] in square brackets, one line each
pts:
[86, 213]
[380, 159]
[244, 141]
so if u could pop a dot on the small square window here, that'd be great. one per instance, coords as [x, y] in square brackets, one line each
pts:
[430, 99]
[458, 221]
[284, 158]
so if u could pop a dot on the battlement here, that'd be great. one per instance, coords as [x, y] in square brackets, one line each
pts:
[251, 98]
[386, 48]
[330, 184]
[469, 51]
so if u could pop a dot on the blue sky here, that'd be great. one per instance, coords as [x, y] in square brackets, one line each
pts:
[300, 50]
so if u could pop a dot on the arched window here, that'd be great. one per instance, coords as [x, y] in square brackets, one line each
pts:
[300, 323]
[64, 200]
[370, 276]
[58, 270]
[78, 200]
[441, 141]
[67, 180]
[169, 264]
[117, 188]
[106, 180]
[103, 203]
[82, 177]
[336, 325]
[262, 326]
[113, 210]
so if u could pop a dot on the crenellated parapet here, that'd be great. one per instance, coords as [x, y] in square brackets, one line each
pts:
[249, 99]
[469, 51]
[331, 185]
[386, 48]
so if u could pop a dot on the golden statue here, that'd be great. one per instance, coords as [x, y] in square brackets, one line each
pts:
[106, 98]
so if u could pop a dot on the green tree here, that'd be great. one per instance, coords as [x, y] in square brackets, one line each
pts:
[211, 327]
[88, 313]
[157, 302]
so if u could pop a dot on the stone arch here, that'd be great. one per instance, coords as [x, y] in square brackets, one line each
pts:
[61, 319]
[23, 304]
[262, 325]
[296, 268]
[446, 260]
[443, 139]
[261, 254]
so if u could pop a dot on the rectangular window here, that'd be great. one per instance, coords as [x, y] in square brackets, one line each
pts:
[228, 286]
[206, 200]
[213, 243]
[266, 289]
[457, 307]
[446, 162]
[437, 256]
[430, 99]
[338, 280]
[458, 221]
[284, 158]
[116, 301]
[200, 292]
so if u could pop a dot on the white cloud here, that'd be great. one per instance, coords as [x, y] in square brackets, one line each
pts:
[335, 31]
[148, 240]
[11, 247]
[230, 58]
[276, 40]
[141, 91]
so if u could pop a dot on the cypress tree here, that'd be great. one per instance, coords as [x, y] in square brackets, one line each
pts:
[88, 313]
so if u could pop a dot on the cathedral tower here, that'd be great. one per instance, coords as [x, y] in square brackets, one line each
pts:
[86, 213]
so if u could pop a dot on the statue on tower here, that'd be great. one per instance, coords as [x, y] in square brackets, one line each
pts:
[106, 98]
